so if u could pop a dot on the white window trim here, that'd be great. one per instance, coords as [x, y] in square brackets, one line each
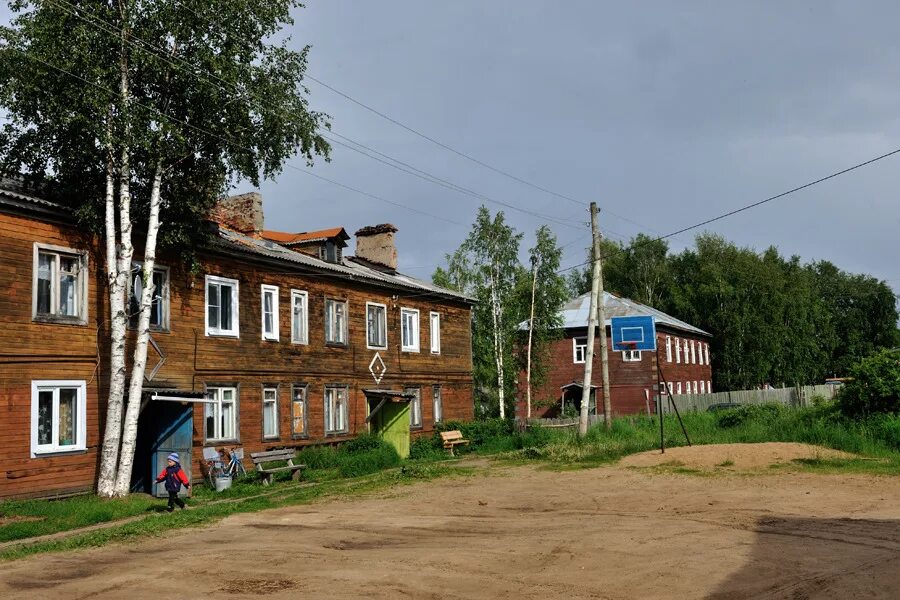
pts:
[277, 433]
[671, 388]
[687, 353]
[696, 388]
[702, 387]
[82, 317]
[677, 351]
[81, 414]
[346, 330]
[668, 348]
[678, 388]
[369, 346]
[294, 388]
[218, 403]
[629, 356]
[271, 289]
[575, 352]
[235, 319]
[416, 346]
[693, 353]
[709, 387]
[434, 336]
[305, 295]
[707, 352]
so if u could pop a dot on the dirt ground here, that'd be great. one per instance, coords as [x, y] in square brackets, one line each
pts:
[523, 532]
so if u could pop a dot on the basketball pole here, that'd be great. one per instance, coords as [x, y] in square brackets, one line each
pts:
[662, 378]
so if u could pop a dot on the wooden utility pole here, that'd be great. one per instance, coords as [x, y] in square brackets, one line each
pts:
[592, 324]
[534, 269]
[601, 317]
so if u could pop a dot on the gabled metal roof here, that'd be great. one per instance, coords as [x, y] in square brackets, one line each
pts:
[575, 313]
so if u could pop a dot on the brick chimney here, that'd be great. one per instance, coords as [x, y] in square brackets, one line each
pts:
[243, 213]
[375, 244]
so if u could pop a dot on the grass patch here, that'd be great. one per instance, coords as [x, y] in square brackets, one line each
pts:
[726, 463]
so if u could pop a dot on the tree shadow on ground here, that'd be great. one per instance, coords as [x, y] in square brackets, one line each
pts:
[800, 558]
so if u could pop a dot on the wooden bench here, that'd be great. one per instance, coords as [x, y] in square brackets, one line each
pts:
[452, 439]
[261, 458]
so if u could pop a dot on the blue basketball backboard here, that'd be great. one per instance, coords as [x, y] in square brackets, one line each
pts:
[633, 333]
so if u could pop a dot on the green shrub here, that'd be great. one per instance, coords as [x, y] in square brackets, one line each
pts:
[364, 463]
[319, 457]
[426, 447]
[364, 442]
[875, 387]
[479, 432]
[750, 413]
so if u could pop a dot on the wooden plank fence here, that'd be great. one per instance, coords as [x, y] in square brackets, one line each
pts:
[794, 397]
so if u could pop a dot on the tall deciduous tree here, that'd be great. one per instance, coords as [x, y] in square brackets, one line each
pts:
[487, 267]
[541, 292]
[143, 112]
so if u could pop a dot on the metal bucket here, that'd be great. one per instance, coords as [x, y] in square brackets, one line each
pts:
[223, 482]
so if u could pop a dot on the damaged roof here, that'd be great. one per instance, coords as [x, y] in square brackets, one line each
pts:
[289, 239]
[348, 268]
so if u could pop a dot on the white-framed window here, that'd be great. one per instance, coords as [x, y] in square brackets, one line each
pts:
[336, 409]
[376, 326]
[696, 389]
[631, 355]
[709, 387]
[409, 329]
[702, 387]
[438, 403]
[335, 321]
[693, 353]
[220, 422]
[706, 351]
[415, 407]
[699, 353]
[269, 312]
[270, 412]
[159, 307]
[687, 353]
[668, 348]
[579, 350]
[299, 394]
[59, 286]
[677, 351]
[435, 320]
[299, 317]
[58, 412]
[222, 306]
[678, 388]
[671, 387]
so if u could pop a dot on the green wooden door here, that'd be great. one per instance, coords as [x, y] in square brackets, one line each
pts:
[391, 423]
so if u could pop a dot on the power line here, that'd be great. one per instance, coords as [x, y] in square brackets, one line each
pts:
[101, 24]
[756, 204]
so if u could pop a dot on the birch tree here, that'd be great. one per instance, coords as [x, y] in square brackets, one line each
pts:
[487, 267]
[140, 114]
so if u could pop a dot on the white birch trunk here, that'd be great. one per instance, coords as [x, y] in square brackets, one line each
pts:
[498, 345]
[530, 337]
[109, 455]
[136, 386]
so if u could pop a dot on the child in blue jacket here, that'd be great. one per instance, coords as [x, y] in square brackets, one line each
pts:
[174, 477]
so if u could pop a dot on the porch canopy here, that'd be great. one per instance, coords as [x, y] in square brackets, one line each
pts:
[184, 396]
[385, 396]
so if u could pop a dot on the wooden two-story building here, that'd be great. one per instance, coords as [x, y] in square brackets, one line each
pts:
[682, 362]
[280, 340]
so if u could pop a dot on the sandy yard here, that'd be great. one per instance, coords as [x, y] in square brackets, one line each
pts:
[522, 532]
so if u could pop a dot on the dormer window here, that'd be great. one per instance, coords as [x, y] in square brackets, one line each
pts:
[330, 252]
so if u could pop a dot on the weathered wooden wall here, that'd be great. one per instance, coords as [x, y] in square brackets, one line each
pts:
[30, 350]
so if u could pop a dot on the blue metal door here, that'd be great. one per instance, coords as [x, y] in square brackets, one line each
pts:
[165, 427]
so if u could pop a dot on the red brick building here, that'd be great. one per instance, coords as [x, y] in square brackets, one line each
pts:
[683, 355]
[271, 344]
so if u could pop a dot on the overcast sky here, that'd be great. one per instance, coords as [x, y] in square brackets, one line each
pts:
[666, 113]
